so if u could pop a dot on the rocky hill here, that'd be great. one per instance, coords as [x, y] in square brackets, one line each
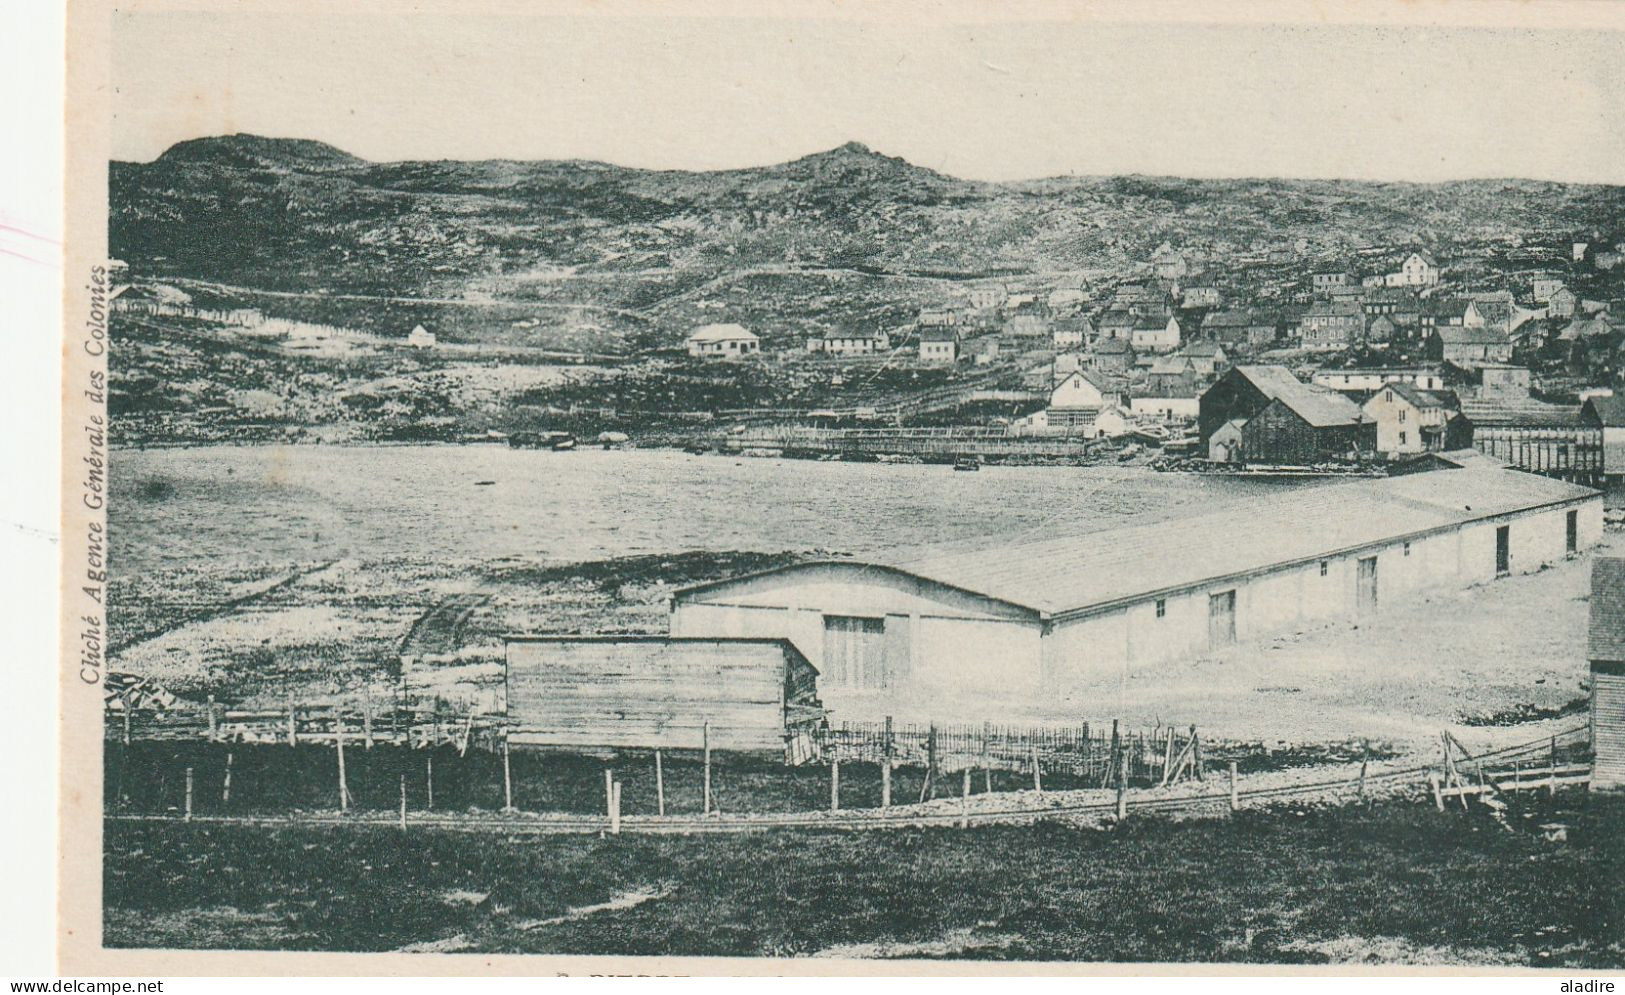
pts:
[297, 215]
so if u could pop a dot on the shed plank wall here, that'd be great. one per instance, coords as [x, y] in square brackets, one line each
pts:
[647, 694]
[1608, 729]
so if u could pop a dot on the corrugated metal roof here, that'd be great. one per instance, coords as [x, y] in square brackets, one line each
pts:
[1529, 413]
[1320, 406]
[1063, 574]
[1463, 335]
[1417, 396]
[1607, 609]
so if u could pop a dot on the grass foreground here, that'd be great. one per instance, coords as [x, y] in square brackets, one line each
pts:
[1395, 882]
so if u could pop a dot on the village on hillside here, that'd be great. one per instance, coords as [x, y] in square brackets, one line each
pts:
[1275, 359]
[1513, 347]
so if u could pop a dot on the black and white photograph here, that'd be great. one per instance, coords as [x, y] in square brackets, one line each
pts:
[1067, 485]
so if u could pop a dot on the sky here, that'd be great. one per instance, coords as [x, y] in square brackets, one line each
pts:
[976, 99]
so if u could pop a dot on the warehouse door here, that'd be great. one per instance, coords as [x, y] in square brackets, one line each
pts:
[1503, 550]
[1365, 585]
[1572, 540]
[1221, 619]
[854, 652]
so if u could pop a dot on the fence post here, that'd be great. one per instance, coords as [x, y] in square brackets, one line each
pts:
[660, 786]
[835, 784]
[188, 794]
[1438, 796]
[1111, 761]
[964, 801]
[1235, 789]
[885, 767]
[931, 758]
[1038, 777]
[293, 728]
[338, 738]
[615, 809]
[214, 728]
[366, 716]
[403, 801]
[507, 779]
[609, 792]
[429, 771]
[225, 785]
[1122, 792]
[1551, 782]
[987, 758]
[705, 743]
[1365, 761]
[127, 710]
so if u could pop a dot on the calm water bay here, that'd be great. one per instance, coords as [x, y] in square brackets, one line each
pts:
[228, 506]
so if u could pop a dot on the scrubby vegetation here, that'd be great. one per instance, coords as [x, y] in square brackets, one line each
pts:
[1393, 883]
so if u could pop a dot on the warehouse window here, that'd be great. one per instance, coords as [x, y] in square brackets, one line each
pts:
[1162, 607]
[1323, 568]
[1407, 549]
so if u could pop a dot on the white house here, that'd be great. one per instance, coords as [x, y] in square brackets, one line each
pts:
[939, 344]
[1543, 287]
[1203, 296]
[986, 297]
[1076, 399]
[1071, 331]
[1418, 270]
[850, 343]
[1360, 381]
[1110, 421]
[1410, 420]
[1154, 334]
[713, 341]
[1168, 409]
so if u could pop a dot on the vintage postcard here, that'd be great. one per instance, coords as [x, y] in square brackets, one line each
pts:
[844, 488]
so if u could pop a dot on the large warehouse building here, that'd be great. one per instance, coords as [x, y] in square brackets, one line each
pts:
[1019, 620]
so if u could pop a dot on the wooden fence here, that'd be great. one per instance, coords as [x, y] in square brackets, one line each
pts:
[1100, 755]
[415, 725]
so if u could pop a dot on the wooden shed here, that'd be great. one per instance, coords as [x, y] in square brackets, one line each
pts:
[646, 692]
[1607, 652]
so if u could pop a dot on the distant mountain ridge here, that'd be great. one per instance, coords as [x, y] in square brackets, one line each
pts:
[301, 215]
[245, 151]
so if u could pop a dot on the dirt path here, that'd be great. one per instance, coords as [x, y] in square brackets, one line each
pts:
[217, 609]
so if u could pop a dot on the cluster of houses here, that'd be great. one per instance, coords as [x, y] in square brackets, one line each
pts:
[1276, 364]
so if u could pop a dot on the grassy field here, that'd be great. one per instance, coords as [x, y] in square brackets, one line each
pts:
[1393, 883]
